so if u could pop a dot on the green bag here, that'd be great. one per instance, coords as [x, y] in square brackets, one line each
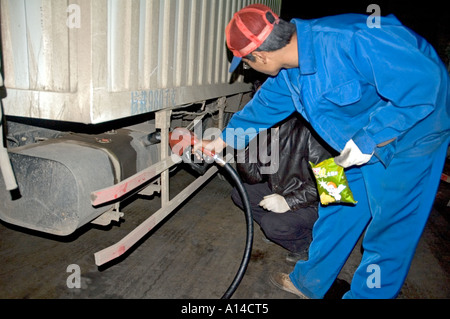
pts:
[332, 183]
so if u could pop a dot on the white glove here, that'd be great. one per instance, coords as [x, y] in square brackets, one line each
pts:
[275, 203]
[351, 155]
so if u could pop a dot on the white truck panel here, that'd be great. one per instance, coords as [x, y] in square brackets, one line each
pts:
[96, 61]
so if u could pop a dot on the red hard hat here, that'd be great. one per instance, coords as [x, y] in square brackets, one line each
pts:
[247, 30]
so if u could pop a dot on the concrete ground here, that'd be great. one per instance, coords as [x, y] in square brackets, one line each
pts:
[193, 254]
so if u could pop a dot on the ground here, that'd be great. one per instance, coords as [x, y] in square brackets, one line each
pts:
[193, 254]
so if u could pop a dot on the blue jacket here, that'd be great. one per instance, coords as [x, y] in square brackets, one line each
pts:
[355, 82]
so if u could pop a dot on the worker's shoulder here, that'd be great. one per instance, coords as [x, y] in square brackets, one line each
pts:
[348, 23]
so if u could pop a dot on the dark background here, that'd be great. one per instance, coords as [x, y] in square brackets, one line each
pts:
[430, 19]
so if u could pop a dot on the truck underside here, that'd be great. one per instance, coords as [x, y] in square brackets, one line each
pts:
[57, 171]
[67, 179]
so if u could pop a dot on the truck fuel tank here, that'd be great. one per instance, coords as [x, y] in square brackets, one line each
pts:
[56, 177]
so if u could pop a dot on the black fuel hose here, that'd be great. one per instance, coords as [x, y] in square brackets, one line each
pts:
[201, 169]
[249, 240]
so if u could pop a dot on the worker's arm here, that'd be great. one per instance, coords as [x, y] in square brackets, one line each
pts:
[271, 104]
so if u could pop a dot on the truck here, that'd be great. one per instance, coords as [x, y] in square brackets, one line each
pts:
[90, 92]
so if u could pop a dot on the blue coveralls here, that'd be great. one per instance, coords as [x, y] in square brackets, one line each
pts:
[370, 85]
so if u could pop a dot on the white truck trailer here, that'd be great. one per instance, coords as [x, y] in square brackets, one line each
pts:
[92, 89]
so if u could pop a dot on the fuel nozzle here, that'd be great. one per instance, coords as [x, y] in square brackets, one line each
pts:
[181, 141]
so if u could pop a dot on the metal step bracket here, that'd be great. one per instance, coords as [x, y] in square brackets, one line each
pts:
[113, 214]
[123, 188]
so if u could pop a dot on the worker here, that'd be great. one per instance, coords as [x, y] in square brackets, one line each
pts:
[284, 201]
[380, 98]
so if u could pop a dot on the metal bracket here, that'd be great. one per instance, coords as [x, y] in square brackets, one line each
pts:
[152, 188]
[113, 214]
[116, 250]
[136, 181]
[125, 187]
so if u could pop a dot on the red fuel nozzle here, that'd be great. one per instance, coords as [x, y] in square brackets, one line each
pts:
[181, 138]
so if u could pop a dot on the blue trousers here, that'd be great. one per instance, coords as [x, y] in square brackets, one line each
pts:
[393, 206]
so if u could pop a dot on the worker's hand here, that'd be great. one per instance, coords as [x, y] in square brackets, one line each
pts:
[275, 203]
[351, 155]
[216, 146]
